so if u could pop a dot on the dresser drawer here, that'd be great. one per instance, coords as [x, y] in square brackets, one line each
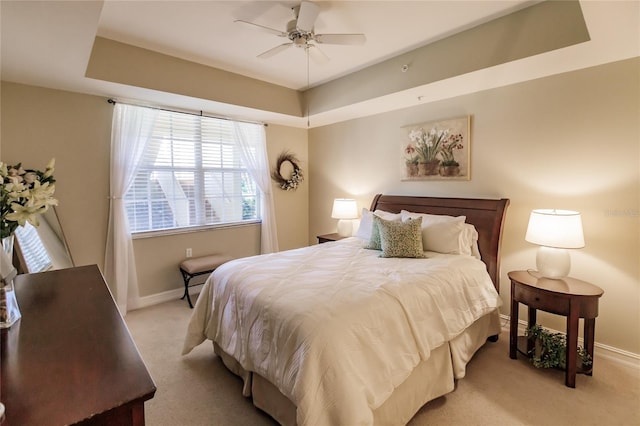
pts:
[549, 302]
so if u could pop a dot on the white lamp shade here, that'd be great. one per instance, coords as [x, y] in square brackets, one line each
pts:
[555, 228]
[344, 208]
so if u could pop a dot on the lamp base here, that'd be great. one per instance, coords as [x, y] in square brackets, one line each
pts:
[553, 262]
[345, 227]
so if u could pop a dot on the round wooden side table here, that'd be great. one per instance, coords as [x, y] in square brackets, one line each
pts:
[569, 297]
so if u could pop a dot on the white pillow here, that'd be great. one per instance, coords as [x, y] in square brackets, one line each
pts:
[366, 222]
[388, 215]
[442, 233]
[471, 241]
[430, 219]
[364, 227]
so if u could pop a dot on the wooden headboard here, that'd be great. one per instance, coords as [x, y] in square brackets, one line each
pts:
[485, 214]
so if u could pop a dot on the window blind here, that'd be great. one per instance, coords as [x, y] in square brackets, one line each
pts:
[190, 174]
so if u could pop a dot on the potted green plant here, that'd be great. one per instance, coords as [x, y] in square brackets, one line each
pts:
[449, 165]
[550, 350]
[427, 145]
[411, 160]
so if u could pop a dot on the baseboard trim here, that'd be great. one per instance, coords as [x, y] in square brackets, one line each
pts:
[165, 296]
[605, 351]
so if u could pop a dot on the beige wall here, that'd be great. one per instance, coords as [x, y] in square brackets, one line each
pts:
[292, 206]
[515, 36]
[38, 124]
[570, 141]
[126, 64]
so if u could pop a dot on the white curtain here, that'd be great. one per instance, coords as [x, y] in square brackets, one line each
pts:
[253, 147]
[131, 130]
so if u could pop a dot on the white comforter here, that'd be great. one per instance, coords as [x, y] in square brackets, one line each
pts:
[335, 327]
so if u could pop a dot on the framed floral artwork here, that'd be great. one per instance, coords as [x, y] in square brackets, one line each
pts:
[437, 150]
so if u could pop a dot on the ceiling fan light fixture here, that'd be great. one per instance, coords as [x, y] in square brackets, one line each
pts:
[300, 31]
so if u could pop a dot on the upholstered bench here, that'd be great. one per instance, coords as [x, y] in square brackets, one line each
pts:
[195, 266]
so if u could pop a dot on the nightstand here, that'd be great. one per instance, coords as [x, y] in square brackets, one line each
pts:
[329, 237]
[569, 297]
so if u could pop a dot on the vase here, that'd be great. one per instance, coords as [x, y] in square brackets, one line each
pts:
[412, 169]
[9, 310]
[7, 246]
[450, 171]
[428, 168]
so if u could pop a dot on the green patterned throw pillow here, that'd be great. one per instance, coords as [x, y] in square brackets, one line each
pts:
[374, 241]
[374, 237]
[400, 239]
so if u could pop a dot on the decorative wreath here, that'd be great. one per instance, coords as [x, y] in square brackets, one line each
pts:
[296, 176]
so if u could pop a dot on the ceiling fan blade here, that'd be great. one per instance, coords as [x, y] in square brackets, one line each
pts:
[307, 16]
[340, 38]
[317, 55]
[274, 51]
[262, 28]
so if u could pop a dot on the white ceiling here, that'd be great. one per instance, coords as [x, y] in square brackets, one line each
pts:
[48, 43]
[205, 32]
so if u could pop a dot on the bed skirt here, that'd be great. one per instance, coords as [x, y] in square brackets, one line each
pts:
[429, 380]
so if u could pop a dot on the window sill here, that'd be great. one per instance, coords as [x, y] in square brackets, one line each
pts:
[191, 229]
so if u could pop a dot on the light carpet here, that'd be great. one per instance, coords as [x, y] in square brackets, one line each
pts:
[196, 389]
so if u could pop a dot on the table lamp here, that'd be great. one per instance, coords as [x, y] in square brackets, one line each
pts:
[554, 231]
[344, 209]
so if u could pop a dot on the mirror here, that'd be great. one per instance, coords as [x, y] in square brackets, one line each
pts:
[42, 248]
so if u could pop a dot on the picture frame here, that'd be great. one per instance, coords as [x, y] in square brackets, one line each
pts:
[437, 150]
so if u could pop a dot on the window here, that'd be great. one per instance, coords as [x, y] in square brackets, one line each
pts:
[190, 174]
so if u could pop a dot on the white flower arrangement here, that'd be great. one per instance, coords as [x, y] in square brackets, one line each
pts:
[24, 196]
[294, 180]
[428, 144]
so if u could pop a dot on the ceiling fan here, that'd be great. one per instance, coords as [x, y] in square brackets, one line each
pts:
[301, 34]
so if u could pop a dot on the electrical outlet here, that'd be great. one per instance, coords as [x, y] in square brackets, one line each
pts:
[189, 253]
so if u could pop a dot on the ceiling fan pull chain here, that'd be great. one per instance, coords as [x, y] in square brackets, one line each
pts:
[307, 94]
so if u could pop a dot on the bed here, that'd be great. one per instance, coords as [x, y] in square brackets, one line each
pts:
[335, 334]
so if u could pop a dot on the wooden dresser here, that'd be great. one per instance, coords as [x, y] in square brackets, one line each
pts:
[71, 359]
